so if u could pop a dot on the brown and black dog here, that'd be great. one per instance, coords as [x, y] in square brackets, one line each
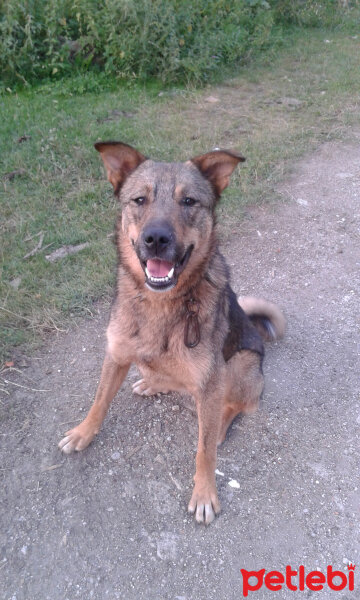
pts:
[175, 315]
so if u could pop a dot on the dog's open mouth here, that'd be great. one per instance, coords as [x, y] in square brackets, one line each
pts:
[159, 273]
[162, 275]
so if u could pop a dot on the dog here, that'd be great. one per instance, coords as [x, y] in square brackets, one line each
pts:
[175, 315]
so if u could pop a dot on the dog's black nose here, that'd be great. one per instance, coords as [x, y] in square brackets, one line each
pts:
[157, 236]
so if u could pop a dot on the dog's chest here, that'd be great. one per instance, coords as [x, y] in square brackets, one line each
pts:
[166, 353]
[160, 342]
[156, 339]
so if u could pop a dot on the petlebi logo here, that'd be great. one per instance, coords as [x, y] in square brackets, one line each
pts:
[299, 579]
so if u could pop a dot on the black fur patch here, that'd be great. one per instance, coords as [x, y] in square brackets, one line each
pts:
[242, 334]
[264, 326]
[165, 344]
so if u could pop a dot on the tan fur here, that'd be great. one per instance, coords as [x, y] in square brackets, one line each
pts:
[148, 327]
[258, 306]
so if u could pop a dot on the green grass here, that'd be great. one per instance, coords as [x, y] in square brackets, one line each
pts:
[63, 193]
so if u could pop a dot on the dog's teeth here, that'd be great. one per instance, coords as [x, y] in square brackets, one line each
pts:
[165, 279]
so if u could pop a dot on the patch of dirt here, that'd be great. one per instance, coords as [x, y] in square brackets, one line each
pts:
[111, 522]
[237, 112]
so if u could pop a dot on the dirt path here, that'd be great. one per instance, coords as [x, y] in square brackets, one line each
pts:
[111, 522]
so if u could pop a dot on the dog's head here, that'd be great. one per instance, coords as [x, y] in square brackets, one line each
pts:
[167, 209]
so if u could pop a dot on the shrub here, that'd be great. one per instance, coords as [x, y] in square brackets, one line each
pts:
[176, 40]
[312, 13]
[172, 40]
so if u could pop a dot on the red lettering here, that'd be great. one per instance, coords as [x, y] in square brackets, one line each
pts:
[301, 578]
[330, 577]
[314, 579]
[274, 580]
[289, 574]
[246, 576]
[351, 581]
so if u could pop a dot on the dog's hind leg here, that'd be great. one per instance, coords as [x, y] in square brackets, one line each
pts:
[153, 383]
[149, 387]
[244, 385]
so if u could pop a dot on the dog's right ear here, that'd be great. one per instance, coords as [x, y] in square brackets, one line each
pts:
[120, 160]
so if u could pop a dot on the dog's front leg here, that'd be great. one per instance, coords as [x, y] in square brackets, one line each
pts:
[204, 500]
[112, 376]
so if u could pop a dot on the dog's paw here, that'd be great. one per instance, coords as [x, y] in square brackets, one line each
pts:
[143, 388]
[76, 439]
[204, 504]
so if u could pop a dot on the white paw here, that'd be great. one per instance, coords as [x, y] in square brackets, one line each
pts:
[143, 389]
[76, 439]
[66, 445]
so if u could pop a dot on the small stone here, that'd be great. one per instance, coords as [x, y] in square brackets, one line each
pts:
[302, 202]
[344, 175]
[115, 455]
[234, 484]
[15, 283]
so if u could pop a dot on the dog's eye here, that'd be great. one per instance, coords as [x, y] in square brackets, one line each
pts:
[139, 201]
[189, 201]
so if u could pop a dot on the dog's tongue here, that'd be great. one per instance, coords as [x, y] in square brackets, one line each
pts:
[158, 268]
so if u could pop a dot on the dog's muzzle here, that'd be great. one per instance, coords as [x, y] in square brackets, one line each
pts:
[160, 257]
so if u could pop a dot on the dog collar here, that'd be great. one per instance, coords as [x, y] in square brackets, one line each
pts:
[192, 326]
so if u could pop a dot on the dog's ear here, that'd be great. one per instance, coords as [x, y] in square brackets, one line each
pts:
[217, 166]
[120, 160]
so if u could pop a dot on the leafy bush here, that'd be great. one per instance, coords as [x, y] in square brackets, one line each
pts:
[172, 40]
[312, 13]
[176, 40]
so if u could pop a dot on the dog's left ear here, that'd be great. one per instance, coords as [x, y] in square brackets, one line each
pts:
[120, 160]
[217, 166]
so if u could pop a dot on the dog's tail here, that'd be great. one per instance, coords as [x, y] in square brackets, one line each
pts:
[266, 316]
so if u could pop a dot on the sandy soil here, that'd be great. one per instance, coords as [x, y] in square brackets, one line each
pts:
[111, 522]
